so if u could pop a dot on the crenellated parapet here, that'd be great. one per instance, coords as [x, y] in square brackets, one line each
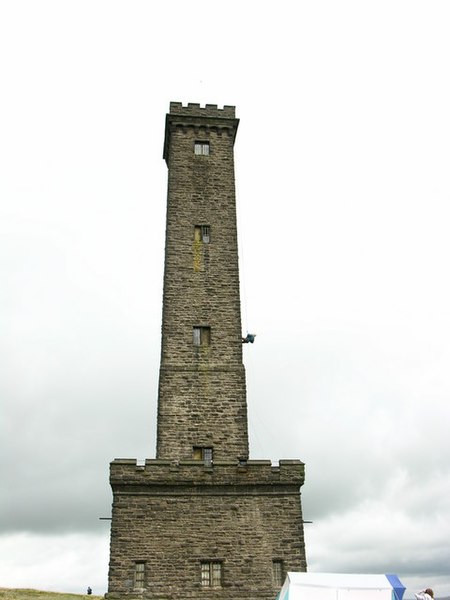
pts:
[202, 121]
[209, 110]
[230, 477]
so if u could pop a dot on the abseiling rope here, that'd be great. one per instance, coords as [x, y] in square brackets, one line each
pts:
[242, 277]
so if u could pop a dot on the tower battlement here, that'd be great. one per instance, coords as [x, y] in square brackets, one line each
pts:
[202, 121]
[195, 110]
[193, 472]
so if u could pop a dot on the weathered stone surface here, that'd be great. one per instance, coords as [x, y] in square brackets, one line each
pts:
[176, 512]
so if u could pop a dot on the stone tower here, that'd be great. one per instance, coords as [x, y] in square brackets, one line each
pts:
[201, 520]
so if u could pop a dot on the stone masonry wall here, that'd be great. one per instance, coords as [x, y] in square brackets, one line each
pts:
[202, 395]
[180, 513]
[243, 516]
[209, 110]
[197, 415]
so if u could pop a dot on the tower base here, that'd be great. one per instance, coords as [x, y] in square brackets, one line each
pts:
[187, 530]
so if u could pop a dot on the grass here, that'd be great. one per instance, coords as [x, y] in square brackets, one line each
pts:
[18, 594]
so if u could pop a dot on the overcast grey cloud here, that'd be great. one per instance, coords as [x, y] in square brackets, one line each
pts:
[342, 166]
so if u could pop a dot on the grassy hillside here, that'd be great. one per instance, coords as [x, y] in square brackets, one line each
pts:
[13, 594]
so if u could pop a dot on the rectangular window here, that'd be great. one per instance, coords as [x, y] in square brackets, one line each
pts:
[205, 234]
[202, 233]
[277, 572]
[202, 336]
[211, 574]
[139, 575]
[201, 148]
[204, 454]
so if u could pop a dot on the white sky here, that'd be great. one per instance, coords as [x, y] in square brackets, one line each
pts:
[342, 165]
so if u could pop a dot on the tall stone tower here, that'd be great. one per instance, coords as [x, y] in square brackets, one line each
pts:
[201, 520]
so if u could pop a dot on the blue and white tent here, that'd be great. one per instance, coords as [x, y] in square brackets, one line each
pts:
[341, 586]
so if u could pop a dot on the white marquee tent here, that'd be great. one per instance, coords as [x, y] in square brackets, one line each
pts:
[341, 586]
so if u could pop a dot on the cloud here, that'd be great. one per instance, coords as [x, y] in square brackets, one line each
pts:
[68, 563]
[341, 159]
[382, 535]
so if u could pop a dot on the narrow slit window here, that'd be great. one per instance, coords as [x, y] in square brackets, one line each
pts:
[277, 572]
[139, 575]
[211, 574]
[202, 336]
[207, 456]
[201, 148]
[205, 234]
[203, 453]
[202, 233]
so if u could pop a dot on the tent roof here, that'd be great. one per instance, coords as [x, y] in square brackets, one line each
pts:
[340, 580]
[341, 586]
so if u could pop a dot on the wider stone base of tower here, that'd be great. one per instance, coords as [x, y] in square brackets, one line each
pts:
[187, 530]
